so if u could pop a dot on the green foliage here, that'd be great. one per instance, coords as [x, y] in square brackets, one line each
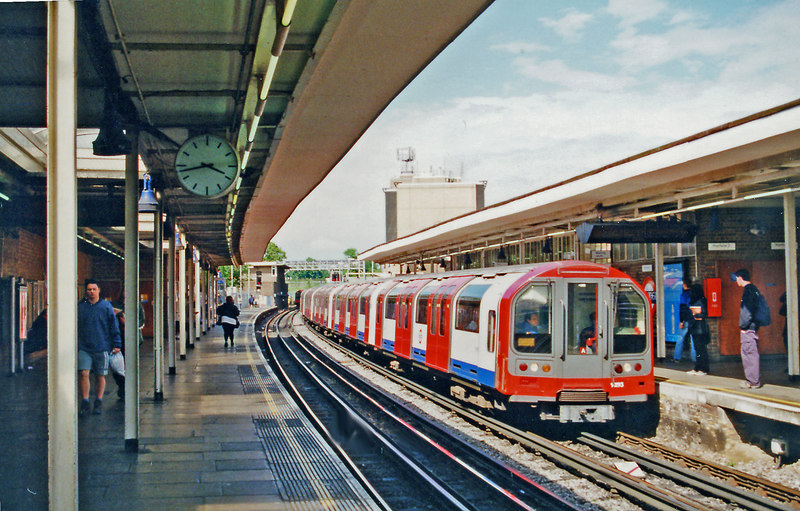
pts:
[308, 274]
[274, 253]
[351, 253]
[226, 274]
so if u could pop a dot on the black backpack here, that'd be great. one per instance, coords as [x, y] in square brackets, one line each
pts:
[762, 311]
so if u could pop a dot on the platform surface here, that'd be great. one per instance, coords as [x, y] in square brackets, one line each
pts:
[225, 437]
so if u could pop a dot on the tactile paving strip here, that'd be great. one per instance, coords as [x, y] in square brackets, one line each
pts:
[307, 472]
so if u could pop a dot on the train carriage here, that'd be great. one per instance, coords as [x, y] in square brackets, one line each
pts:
[571, 339]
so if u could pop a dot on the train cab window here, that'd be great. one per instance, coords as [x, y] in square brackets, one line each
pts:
[582, 318]
[532, 320]
[468, 307]
[630, 328]
[362, 302]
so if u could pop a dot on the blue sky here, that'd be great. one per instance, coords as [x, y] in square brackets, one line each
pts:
[535, 91]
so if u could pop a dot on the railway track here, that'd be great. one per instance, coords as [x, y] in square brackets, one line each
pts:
[730, 486]
[409, 461]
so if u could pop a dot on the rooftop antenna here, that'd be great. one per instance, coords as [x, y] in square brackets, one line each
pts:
[407, 156]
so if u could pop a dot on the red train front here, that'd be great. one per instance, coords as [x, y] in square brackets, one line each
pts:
[571, 340]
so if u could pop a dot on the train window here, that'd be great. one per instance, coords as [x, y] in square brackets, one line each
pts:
[443, 306]
[422, 305]
[629, 322]
[468, 307]
[362, 303]
[532, 320]
[391, 301]
[582, 318]
[490, 332]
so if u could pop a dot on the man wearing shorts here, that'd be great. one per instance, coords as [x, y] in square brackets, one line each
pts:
[98, 335]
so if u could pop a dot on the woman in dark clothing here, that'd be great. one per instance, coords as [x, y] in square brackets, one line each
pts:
[698, 328]
[227, 314]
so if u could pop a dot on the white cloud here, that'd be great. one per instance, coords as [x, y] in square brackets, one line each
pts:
[526, 136]
[558, 72]
[516, 47]
[633, 12]
[570, 25]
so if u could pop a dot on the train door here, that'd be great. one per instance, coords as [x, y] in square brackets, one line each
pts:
[362, 327]
[583, 312]
[422, 310]
[438, 352]
[390, 316]
[354, 312]
[406, 323]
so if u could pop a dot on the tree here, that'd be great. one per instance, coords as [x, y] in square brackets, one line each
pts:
[274, 253]
[351, 253]
[230, 280]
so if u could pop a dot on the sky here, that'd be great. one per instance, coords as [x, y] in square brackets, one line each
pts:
[535, 91]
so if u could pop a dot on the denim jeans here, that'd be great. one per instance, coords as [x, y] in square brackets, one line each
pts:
[678, 353]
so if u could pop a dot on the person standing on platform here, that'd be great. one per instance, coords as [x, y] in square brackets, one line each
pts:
[98, 335]
[748, 328]
[228, 314]
[698, 329]
[685, 318]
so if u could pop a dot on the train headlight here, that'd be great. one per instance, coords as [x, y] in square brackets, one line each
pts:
[534, 368]
[627, 367]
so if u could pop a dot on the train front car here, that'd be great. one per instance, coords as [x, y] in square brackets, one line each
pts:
[574, 343]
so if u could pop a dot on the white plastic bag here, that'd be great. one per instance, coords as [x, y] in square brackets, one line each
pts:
[117, 363]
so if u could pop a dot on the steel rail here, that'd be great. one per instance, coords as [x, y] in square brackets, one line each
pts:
[433, 482]
[523, 484]
[634, 488]
[735, 478]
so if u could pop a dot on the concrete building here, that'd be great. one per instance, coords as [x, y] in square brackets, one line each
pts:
[415, 201]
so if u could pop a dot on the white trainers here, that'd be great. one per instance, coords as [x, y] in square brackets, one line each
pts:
[691, 372]
[700, 373]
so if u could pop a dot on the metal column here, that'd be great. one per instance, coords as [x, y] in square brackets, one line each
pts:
[181, 262]
[190, 314]
[661, 325]
[790, 240]
[12, 327]
[62, 259]
[158, 305]
[198, 307]
[171, 298]
[132, 296]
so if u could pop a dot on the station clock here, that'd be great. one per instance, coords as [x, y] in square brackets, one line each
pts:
[207, 165]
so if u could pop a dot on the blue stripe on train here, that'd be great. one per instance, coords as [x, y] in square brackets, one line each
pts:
[360, 335]
[472, 372]
[387, 344]
[418, 354]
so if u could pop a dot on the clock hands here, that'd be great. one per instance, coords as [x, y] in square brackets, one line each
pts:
[202, 166]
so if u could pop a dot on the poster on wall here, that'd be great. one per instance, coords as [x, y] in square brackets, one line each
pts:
[22, 301]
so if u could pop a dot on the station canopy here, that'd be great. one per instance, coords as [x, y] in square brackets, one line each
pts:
[313, 74]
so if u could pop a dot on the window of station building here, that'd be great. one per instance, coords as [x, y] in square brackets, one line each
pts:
[533, 320]
[644, 251]
[468, 307]
[630, 321]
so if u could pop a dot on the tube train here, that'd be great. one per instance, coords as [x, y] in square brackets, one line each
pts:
[571, 339]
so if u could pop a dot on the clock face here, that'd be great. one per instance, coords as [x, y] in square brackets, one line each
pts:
[207, 165]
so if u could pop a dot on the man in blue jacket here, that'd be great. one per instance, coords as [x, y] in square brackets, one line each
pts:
[98, 335]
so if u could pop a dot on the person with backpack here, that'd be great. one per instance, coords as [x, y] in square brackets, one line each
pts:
[753, 313]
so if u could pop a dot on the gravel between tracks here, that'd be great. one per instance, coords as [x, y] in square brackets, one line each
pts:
[747, 458]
